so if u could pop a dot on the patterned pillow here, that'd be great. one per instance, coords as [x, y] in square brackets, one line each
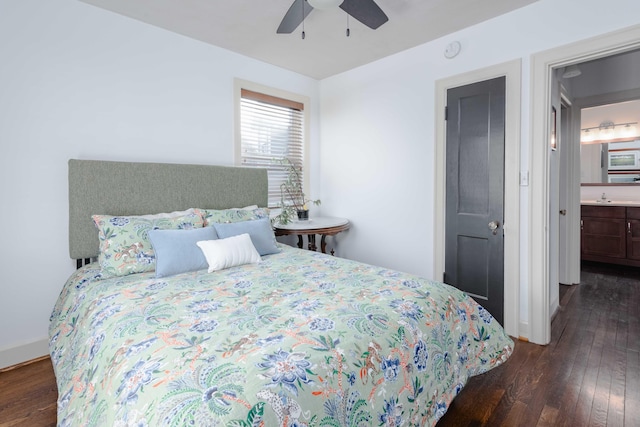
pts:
[125, 247]
[212, 216]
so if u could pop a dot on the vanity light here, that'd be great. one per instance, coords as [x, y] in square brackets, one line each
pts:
[628, 131]
[587, 136]
[609, 131]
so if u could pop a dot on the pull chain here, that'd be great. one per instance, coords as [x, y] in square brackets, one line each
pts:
[303, 34]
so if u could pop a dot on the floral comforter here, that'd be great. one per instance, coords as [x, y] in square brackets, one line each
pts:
[300, 339]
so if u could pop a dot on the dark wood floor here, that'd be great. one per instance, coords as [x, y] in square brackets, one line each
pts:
[28, 395]
[589, 375]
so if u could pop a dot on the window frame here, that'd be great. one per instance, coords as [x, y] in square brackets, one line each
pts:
[239, 85]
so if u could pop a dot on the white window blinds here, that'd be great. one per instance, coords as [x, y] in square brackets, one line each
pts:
[271, 128]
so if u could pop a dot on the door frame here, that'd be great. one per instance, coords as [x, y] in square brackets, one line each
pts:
[542, 65]
[569, 262]
[512, 70]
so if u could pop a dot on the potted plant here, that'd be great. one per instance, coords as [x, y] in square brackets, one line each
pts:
[293, 202]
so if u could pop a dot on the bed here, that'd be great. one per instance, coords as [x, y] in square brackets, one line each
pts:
[292, 338]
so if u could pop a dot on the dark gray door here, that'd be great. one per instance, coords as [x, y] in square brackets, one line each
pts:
[474, 241]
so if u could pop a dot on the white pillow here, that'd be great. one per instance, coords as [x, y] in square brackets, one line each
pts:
[168, 214]
[229, 252]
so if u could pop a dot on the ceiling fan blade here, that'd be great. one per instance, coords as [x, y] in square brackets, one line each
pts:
[294, 16]
[365, 11]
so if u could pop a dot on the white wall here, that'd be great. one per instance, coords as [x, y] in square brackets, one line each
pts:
[377, 128]
[80, 82]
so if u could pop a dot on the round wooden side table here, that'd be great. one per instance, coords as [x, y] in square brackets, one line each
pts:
[323, 226]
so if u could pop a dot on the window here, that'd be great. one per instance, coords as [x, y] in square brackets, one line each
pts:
[270, 128]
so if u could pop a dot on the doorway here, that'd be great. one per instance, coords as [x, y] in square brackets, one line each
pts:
[543, 65]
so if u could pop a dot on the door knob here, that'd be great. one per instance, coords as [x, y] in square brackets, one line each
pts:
[493, 226]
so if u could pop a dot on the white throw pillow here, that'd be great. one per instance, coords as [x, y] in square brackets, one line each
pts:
[229, 252]
[168, 214]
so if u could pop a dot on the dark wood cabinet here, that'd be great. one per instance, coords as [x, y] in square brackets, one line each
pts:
[633, 233]
[610, 234]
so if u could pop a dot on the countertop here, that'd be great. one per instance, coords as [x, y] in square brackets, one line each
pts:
[610, 203]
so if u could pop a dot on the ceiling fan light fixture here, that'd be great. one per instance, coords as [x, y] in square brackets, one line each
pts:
[325, 4]
[365, 11]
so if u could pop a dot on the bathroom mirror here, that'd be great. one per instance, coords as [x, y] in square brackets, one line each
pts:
[595, 168]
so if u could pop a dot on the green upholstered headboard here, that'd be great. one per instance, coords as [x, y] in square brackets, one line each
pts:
[123, 188]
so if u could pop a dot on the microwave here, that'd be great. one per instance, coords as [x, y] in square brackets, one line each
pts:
[624, 159]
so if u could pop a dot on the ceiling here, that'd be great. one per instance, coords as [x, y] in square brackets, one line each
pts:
[248, 27]
[600, 77]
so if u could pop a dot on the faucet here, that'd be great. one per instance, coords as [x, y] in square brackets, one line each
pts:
[603, 199]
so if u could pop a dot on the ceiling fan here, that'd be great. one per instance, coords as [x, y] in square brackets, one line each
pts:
[365, 11]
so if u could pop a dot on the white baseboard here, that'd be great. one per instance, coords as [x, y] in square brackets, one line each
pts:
[23, 353]
[523, 330]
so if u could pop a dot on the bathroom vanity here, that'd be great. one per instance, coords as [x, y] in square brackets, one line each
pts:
[610, 232]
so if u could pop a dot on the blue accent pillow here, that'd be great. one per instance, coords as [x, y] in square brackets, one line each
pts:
[177, 252]
[259, 230]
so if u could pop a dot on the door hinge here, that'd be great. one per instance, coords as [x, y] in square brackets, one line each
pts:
[446, 113]
[444, 277]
